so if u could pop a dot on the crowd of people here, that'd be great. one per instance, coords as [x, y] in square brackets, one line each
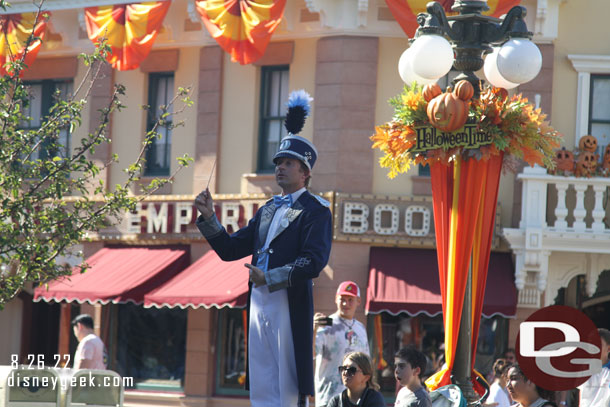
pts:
[344, 374]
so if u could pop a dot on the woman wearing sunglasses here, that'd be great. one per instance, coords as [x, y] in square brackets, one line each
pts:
[361, 387]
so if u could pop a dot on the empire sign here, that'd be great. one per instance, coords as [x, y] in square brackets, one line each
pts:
[172, 218]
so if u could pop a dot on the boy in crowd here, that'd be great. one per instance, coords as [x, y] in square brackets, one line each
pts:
[409, 365]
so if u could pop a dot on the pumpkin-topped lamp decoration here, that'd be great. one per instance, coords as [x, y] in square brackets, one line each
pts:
[449, 111]
[588, 143]
[564, 161]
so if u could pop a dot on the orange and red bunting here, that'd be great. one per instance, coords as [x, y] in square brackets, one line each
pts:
[242, 28]
[130, 30]
[405, 11]
[465, 195]
[15, 29]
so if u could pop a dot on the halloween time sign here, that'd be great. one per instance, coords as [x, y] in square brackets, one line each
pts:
[429, 138]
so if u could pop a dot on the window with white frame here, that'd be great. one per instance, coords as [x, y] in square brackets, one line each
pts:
[42, 96]
[274, 94]
[149, 345]
[599, 110]
[160, 94]
[231, 351]
[593, 98]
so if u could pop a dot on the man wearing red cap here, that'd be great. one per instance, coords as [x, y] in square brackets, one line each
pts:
[334, 339]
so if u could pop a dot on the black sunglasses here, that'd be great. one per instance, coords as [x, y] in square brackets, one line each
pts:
[351, 370]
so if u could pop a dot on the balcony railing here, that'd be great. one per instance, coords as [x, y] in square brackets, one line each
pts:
[558, 214]
[565, 204]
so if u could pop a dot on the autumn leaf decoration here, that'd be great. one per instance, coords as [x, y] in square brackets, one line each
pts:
[516, 126]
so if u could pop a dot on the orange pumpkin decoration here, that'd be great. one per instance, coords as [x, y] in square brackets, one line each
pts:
[449, 111]
[588, 143]
[564, 161]
[586, 164]
[431, 91]
[464, 90]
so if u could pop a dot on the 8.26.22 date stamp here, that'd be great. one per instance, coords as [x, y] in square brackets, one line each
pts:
[38, 361]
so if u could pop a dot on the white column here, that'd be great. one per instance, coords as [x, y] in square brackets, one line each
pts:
[598, 210]
[533, 198]
[579, 211]
[561, 211]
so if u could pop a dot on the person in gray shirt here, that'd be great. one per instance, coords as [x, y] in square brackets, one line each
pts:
[409, 364]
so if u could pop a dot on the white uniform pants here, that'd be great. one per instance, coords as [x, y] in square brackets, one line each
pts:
[272, 367]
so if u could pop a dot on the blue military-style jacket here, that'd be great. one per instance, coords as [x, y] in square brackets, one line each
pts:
[297, 253]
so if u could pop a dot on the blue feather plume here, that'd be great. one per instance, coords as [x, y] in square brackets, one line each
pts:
[300, 98]
[298, 109]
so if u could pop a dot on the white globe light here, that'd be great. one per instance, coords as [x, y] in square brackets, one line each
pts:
[519, 60]
[493, 75]
[432, 56]
[405, 69]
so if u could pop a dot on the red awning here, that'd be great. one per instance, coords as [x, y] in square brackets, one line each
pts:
[117, 275]
[406, 280]
[209, 282]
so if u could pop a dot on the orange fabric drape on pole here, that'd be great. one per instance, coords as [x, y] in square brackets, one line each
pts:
[242, 28]
[130, 29]
[15, 29]
[405, 11]
[464, 195]
[379, 339]
[481, 250]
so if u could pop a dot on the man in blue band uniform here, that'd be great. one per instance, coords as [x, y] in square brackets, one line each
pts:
[290, 239]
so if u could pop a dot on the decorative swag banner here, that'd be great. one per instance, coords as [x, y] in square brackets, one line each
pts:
[15, 29]
[131, 30]
[242, 28]
[405, 11]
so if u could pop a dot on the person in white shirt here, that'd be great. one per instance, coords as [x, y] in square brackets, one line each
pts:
[497, 391]
[90, 352]
[595, 392]
[337, 335]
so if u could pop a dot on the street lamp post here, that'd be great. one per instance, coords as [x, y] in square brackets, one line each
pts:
[462, 41]
[513, 59]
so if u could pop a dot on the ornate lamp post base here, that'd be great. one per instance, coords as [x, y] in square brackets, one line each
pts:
[461, 375]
